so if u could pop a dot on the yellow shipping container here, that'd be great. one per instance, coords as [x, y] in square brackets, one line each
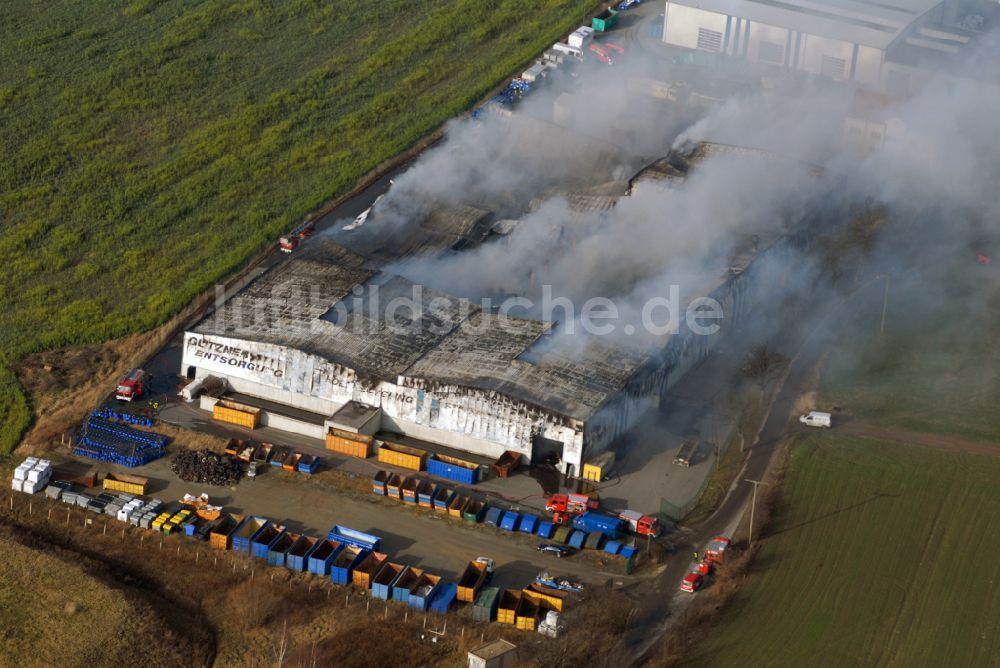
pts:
[457, 505]
[507, 610]
[121, 482]
[349, 446]
[527, 614]
[599, 467]
[402, 456]
[551, 601]
[238, 414]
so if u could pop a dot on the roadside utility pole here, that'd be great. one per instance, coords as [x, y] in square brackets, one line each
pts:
[885, 303]
[753, 504]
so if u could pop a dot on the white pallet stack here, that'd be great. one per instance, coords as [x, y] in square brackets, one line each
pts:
[32, 476]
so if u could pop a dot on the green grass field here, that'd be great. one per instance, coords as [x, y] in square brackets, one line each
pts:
[151, 148]
[880, 555]
[936, 369]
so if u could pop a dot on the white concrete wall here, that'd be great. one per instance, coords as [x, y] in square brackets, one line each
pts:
[458, 417]
[450, 439]
[680, 25]
[268, 419]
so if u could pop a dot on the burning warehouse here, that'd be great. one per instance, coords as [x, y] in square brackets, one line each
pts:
[334, 327]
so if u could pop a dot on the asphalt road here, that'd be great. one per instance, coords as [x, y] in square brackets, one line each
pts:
[661, 601]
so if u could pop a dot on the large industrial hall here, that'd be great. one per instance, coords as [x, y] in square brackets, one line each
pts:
[303, 346]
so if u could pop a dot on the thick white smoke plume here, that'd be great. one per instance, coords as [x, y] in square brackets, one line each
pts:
[939, 160]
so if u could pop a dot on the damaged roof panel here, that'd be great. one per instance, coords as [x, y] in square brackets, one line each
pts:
[488, 352]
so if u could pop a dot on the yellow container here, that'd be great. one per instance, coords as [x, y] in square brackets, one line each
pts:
[402, 456]
[507, 610]
[457, 506]
[238, 414]
[121, 482]
[599, 467]
[527, 615]
[548, 600]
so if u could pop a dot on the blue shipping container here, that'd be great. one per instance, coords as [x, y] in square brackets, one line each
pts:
[349, 536]
[403, 585]
[422, 595]
[242, 543]
[279, 548]
[342, 567]
[546, 529]
[442, 497]
[309, 464]
[460, 474]
[444, 597]
[297, 558]
[323, 555]
[612, 547]
[493, 517]
[529, 523]
[264, 539]
[509, 521]
[576, 539]
[628, 552]
[384, 581]
[591, 521]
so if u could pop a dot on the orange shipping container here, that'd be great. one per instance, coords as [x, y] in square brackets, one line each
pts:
[238, 414]
[348, 446]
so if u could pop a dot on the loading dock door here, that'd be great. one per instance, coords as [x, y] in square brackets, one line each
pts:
[546, 449]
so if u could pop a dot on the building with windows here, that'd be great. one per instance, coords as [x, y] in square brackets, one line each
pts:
[890, 46]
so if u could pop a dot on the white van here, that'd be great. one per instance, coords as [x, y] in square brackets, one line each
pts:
[815, 419]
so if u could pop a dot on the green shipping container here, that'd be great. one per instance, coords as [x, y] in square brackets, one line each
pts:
[485, 608]
[605, 21]
[562, 534]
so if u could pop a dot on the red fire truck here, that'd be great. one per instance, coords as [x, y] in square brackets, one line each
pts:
[601, 53]
[571, 503]
[132, 386]
[643, 525]
[716, 550]
[291, 241]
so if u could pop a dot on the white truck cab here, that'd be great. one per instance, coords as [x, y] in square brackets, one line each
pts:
[816, 419]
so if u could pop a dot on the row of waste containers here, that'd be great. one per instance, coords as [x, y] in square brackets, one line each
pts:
[413, 490]
[405, 456]
[346, 556]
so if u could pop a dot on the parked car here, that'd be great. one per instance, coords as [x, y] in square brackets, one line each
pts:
[558, 550]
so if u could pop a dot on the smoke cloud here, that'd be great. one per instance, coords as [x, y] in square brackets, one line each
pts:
[583, 136]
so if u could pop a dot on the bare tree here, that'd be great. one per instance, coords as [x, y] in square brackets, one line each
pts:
[739, 412]
[761, 365]
[281, 646]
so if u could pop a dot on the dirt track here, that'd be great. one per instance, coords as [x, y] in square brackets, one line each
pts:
[937, 441]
